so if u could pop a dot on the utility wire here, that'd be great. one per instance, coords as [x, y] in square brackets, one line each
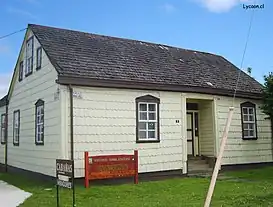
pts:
[2, 37]
[242, 61]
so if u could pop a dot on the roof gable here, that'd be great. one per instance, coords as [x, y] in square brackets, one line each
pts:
[79, 55]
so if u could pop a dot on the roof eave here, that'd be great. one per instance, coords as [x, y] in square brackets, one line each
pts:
[79, 81]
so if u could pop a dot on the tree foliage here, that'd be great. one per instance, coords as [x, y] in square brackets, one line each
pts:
[249, 70]
[267, 106]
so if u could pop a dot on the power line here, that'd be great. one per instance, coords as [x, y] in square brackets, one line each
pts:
[242, 61]
[2, 37]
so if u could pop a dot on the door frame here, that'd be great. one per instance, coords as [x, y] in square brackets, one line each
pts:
[192, 113]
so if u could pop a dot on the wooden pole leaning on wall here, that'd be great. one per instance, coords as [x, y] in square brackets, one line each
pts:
[219, 158]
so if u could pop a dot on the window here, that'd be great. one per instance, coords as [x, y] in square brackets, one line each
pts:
[248, 116]
[16, 127]
[21, 70]
[147, 114]
[38, 58]
[3, 129]
[39, 122]
[29, 57]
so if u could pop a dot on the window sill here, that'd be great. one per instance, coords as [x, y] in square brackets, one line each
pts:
[28, 74]
[253, 138]
[15, 144]
[39, 143]
[147, 141]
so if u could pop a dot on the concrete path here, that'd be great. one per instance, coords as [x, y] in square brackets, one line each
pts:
[11, 196]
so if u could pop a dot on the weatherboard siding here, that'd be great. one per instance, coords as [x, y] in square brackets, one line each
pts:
[2, 146]
[207, 138]
[239, 151]
[39, 85]
[105, 123]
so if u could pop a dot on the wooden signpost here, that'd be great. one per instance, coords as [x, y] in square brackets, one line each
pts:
[110, 166]
[65, 177]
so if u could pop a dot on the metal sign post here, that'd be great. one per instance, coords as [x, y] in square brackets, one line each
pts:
[65, 177]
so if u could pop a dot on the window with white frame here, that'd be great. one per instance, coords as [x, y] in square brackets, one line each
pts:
[3, 129]
[29, 56]
[38, 58]
[16, 127]
[249, 125]
[147, 119]
[39, 122]
[21, 70]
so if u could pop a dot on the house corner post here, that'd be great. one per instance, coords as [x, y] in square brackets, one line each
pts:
[184, 133]
[6, 137]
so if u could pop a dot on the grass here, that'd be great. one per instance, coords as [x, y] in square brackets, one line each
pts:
[253, 188]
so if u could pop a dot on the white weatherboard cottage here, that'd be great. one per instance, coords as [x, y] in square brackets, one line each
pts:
[170, 104]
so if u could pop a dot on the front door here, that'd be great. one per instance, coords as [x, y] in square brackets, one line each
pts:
[192, 133]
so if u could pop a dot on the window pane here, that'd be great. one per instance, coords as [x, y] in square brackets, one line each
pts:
[245, 117]
[251, 111]
[143, 116]
[142, 125]
[251, 133]
[152, 116]
[245, 126]
[246, 133]
[251, 126]
[142, 107]
[251, 118]
[151, 107]
[38, 137]
[151, 125]
[245, 111]
[151, 134]
[142, 134]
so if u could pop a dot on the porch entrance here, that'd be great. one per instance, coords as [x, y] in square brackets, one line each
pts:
[193, 133]
[201, 138]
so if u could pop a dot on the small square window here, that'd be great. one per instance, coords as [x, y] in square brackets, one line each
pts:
[142, 125]
[151, 134]
[143, 116]
[151, 125]
[152, 107]
[142, 107]
[142, 134]
[152, 116]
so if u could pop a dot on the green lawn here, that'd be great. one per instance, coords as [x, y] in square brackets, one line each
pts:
[253, 188]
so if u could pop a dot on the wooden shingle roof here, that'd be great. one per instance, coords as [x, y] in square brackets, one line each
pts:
[86, 59]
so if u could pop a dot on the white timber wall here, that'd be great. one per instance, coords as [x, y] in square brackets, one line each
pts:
[239, 151]
[39, 85]
[207, 137]
[105, 123]
[2, 146]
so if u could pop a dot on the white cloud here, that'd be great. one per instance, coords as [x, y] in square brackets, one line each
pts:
[169, 8]
[21, 12]
[219, 6]
[5, 79]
